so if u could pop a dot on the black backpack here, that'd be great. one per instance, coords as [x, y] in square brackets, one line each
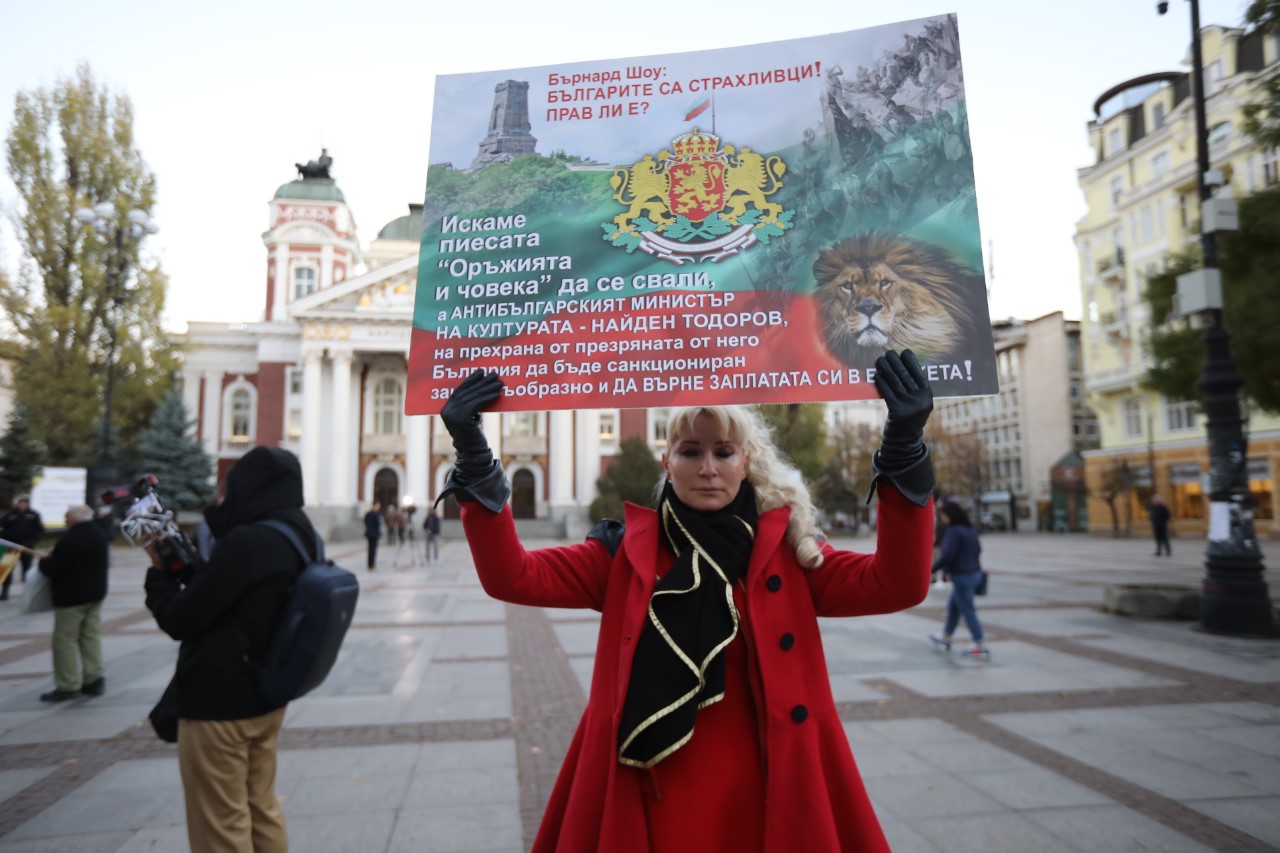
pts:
[312, 624]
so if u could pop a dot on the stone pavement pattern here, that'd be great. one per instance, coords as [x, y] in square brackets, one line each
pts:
[445, 720]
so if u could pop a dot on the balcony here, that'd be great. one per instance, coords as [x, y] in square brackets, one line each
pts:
[1111, 269]
[1115, 324]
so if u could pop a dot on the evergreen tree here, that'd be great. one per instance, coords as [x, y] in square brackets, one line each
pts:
[21, 453]
[76, 291]
[166, 448]
[631, 476]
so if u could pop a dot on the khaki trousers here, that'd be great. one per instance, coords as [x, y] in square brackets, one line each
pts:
[77, 638]
[229, 782]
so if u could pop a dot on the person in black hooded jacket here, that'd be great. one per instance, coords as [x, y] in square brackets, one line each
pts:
[224, 614]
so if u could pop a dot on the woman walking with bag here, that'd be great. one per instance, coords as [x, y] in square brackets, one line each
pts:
[959, 562]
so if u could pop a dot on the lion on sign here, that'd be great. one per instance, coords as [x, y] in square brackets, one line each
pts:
[878, 292]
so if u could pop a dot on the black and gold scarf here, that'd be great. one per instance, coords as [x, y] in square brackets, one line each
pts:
[679, 661]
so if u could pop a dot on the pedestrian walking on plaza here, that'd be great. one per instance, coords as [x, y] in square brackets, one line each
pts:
[372, 532]
[224, 612]
[77, 570]
[958, 562]
[431, 524]
[710, 703]
[22, 526]
[1159, 515]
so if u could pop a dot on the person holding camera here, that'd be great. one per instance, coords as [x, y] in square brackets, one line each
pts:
[224, 613]
[77, 571]
[710, 723]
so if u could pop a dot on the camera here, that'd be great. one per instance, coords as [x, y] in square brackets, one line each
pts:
[1162, 7]
[146, 522]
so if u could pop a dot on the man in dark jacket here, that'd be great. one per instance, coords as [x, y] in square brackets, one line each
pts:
[224, 614]
[22, 526]
[372, 532]
[1159, 515]
[77, 570]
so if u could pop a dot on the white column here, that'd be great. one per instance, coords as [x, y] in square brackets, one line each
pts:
[416, 459]
[312, 398]
[588, 455]
[560, 469]
[492, 425]
[211, 424]
[341, 456]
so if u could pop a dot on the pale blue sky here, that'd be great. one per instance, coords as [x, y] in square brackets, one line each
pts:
[228, 96]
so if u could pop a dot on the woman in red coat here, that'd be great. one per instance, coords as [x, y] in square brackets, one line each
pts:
[710, 725]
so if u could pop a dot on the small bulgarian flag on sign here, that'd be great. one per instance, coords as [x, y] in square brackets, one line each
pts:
[697, 108]
[9, 555]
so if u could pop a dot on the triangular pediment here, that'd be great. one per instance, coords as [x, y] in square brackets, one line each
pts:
[387, 290]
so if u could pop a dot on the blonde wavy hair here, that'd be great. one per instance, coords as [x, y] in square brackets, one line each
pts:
[776, 482]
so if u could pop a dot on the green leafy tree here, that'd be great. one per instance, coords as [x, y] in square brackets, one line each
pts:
[1262, 119]
[631, 476]
[800, 432]
[1249, 259]
[168, 449]
[846, 477]
[959, 463]
[21, 453]
[71, 147]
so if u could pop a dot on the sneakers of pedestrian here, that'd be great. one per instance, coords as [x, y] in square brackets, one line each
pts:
[94, 688]
[978, 653]
[59, 695]
[939, 643]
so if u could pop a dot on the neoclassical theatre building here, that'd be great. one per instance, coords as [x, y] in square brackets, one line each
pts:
[323, 373]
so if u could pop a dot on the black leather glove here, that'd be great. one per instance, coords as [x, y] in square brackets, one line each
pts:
[903, 458]
[476, 475]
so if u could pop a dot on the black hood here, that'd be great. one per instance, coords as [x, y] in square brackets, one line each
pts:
[263, 481]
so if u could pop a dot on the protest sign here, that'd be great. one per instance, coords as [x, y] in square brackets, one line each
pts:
[744, 225]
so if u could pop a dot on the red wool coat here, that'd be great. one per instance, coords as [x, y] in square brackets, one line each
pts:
[814, 800]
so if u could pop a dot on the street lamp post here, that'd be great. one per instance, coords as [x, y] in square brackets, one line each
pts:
[1233, 595]
[123, 236]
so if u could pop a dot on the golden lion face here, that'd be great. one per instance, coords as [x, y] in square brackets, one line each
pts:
[877, 293]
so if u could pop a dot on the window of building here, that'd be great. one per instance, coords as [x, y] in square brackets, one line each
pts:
[523, 424]
[1116, 190]
[294, 424]
[1115, 142]
[1148, 228]
[1160, 229]
[1213, 77]
[1188, 491]
[660, 427]
[1157, 116]
[1220, 136]
[304, 281]
[1271, 166]
[1160, 164]
[1262, 489]
[609, 426]
[1132, 417]
[295, 382]
[241, 415]
[1180, 416]
[388, 402]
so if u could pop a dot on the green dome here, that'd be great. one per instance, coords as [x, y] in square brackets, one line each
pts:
[312, 189]
[407, 227]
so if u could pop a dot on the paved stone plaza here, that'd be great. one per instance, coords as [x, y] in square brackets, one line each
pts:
[445, 720]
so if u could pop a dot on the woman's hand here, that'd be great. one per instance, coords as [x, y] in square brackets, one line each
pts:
[461, 416]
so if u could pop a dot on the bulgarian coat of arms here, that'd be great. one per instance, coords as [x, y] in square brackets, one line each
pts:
[699, 201]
